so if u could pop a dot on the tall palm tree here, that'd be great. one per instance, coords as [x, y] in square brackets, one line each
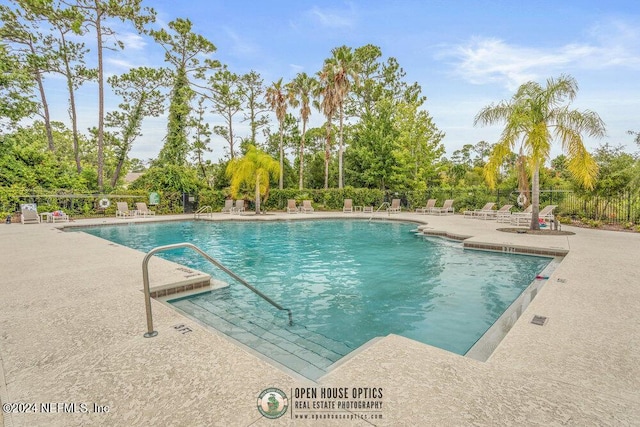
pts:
[343, 70]
[329, 106]
[301, 93]
[253, 169]
[276, 97]
[533, 118]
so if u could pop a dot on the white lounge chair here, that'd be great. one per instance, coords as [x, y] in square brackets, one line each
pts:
[228, 206]
[524, 218]
[306, 206]
[395, 206]
[291, 206]
[122, 210]
[239, 207]
[143, 210]
[348, 206]
[431, 203]
[504, 214]
[480, 213]
[29, 213]
[446, 208]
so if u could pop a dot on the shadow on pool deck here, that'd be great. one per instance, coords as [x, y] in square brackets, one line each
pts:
[72, 318]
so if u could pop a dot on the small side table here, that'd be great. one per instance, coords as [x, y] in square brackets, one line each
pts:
[45, 216]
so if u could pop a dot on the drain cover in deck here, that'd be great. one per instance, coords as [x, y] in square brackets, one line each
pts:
[538, 320]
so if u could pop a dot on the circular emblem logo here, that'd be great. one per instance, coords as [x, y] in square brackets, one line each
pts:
[272, 403]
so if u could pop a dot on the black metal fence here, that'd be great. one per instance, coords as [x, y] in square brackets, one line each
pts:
[612, 209]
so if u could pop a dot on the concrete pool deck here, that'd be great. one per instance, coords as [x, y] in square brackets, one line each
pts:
[72, 318]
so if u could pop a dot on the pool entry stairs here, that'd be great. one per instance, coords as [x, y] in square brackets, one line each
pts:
[270, 333]
[267, 332]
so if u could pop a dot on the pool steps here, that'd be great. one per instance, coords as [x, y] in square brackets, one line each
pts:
[308, 353]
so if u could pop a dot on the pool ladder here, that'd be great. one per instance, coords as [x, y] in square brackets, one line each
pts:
[378, 210]
[205, 210]
[147, 293]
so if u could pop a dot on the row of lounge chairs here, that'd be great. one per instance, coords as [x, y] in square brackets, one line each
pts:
[292, 207]
[123, 211]
[232, 207]
[431, 208]
[504, 214]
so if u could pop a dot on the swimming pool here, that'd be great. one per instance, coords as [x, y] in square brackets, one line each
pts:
[349, 281]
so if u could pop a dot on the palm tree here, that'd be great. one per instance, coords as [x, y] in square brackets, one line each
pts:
[301, 93]
[343, 70]
[535, 116]
[255, 168]
[277, 98]
[328, 106]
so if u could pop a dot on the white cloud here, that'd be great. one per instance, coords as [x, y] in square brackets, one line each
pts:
[333, 18]
[241, 47]
[490, 60]
[132, 41]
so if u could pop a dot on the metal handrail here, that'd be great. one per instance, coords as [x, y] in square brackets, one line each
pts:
[147, 293]
[378, 210]
[202, 210]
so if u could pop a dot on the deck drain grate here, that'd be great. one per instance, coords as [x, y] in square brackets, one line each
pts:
[562, 280]
[539, 320]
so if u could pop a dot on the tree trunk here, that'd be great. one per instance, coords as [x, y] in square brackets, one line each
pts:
[327, 154]
[304, 130]
[257, 193]
[45, 105]
[281, 180]
[535, 198]
[340, 147]
[100, 105]
[72, 108]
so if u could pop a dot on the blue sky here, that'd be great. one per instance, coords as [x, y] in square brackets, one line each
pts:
[464, 54]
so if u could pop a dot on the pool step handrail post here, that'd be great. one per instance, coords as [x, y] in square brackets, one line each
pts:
[378, 210]
[205, 209]
[147, 293]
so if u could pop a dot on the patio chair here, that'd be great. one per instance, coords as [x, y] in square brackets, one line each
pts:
[122, 210]
[446, 208]
[480, 213]
[431, 203]
[239, 207]
[306, 206]
[228, 206]
[29, 213]
[291, 206]
[524, 218]
[58, 216]
[348, 206]
[395, 206]
[143, 210]
[504, 214]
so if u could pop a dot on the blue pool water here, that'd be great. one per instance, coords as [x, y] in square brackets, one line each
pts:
[349, 281]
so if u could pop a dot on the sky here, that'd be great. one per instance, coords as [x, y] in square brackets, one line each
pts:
[464, 54]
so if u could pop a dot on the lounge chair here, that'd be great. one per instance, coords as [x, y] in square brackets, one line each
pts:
[348, 206]
[143, 210]
[122, 210]
[306, 206]
[239, 207]
[291, 206]
[503, 214]
[480, 213]
[228, 206]
[431, 203]
[29, 213]
[395, 206]
[524, 218]
[446, 208]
